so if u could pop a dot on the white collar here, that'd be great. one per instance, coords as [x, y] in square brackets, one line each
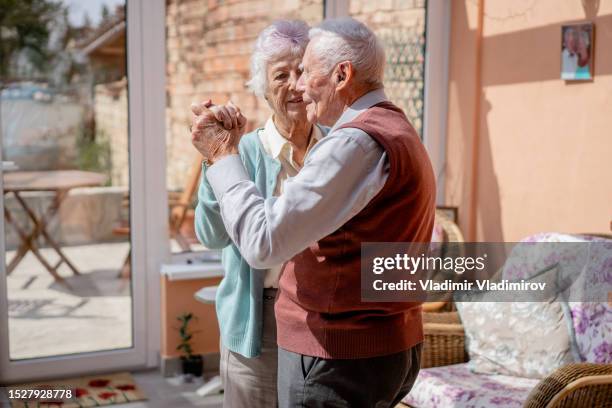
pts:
[273, 142]
[361, 104]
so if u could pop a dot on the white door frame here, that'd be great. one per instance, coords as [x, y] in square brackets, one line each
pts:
[149, 212]
[435, 109]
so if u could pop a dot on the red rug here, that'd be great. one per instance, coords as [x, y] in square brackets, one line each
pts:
[81, 392]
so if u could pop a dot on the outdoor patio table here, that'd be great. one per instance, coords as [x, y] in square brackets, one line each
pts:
[59, 182]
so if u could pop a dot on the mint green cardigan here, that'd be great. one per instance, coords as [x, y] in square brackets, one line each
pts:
[240, 294]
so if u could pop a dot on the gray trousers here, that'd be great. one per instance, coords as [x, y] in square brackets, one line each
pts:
[251, 382]
[377, 382]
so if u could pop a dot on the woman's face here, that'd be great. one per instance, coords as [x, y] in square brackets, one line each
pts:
[282, 94]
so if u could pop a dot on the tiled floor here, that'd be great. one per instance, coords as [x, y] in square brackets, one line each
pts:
[167, 392]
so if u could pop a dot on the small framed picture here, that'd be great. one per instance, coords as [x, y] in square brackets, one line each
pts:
[450, 212]
[577, 51]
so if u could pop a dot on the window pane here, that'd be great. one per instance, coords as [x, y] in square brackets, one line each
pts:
[402, 32]
[64, 134]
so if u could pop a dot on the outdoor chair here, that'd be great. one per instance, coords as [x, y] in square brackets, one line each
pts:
[180, 212]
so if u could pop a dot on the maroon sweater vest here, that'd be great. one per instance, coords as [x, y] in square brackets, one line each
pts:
[319, 311]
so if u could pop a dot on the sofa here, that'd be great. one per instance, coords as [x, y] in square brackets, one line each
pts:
[452, 374]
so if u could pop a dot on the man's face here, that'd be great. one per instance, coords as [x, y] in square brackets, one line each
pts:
[323, 104]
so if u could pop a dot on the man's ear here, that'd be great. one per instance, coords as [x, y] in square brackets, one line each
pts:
[343, 74]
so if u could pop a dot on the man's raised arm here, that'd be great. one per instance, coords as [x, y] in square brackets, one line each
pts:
[341, 174]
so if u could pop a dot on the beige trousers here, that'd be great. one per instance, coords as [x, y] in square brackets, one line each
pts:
[251, 382]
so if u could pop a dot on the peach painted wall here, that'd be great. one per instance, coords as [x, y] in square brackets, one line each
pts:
[177, 298]
[545, 151]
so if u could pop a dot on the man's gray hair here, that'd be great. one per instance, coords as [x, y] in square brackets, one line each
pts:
[346, 39]
[280, 38]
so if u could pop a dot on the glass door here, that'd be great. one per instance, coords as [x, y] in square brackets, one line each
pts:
[73, 280]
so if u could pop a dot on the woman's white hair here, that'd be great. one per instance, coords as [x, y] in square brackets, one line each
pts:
[346, 39]
[280, 38]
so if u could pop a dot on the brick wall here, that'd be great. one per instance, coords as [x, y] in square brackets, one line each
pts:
[209, 44]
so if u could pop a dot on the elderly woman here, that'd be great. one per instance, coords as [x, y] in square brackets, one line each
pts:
[271, 155]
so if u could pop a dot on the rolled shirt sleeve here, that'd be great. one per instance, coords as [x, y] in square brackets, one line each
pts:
[341, 175]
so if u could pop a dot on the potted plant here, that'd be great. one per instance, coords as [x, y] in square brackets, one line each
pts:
[192, 365]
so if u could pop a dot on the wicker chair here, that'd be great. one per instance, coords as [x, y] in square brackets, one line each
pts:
[451, 234]
[444, 340]
[574, 385]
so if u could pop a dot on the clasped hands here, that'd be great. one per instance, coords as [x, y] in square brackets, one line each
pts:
[216, 129]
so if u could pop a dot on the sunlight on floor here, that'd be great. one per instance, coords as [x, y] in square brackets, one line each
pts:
[90, 312]
[167, 392]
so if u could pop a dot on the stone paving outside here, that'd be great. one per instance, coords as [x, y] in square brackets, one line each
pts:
[94, 313]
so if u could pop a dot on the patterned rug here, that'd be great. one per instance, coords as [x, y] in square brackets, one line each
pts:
[80, 392]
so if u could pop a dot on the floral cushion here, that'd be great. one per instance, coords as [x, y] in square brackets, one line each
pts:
[592, 321]
[456, 386]
[523, 339]
[593, 331]
[527, 258]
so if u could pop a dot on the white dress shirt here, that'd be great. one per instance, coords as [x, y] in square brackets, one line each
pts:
[341, 174]
[276, 146]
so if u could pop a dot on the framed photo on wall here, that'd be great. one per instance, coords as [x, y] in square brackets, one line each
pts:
[577, 51]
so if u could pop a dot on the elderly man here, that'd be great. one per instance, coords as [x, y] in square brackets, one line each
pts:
[368, 180]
